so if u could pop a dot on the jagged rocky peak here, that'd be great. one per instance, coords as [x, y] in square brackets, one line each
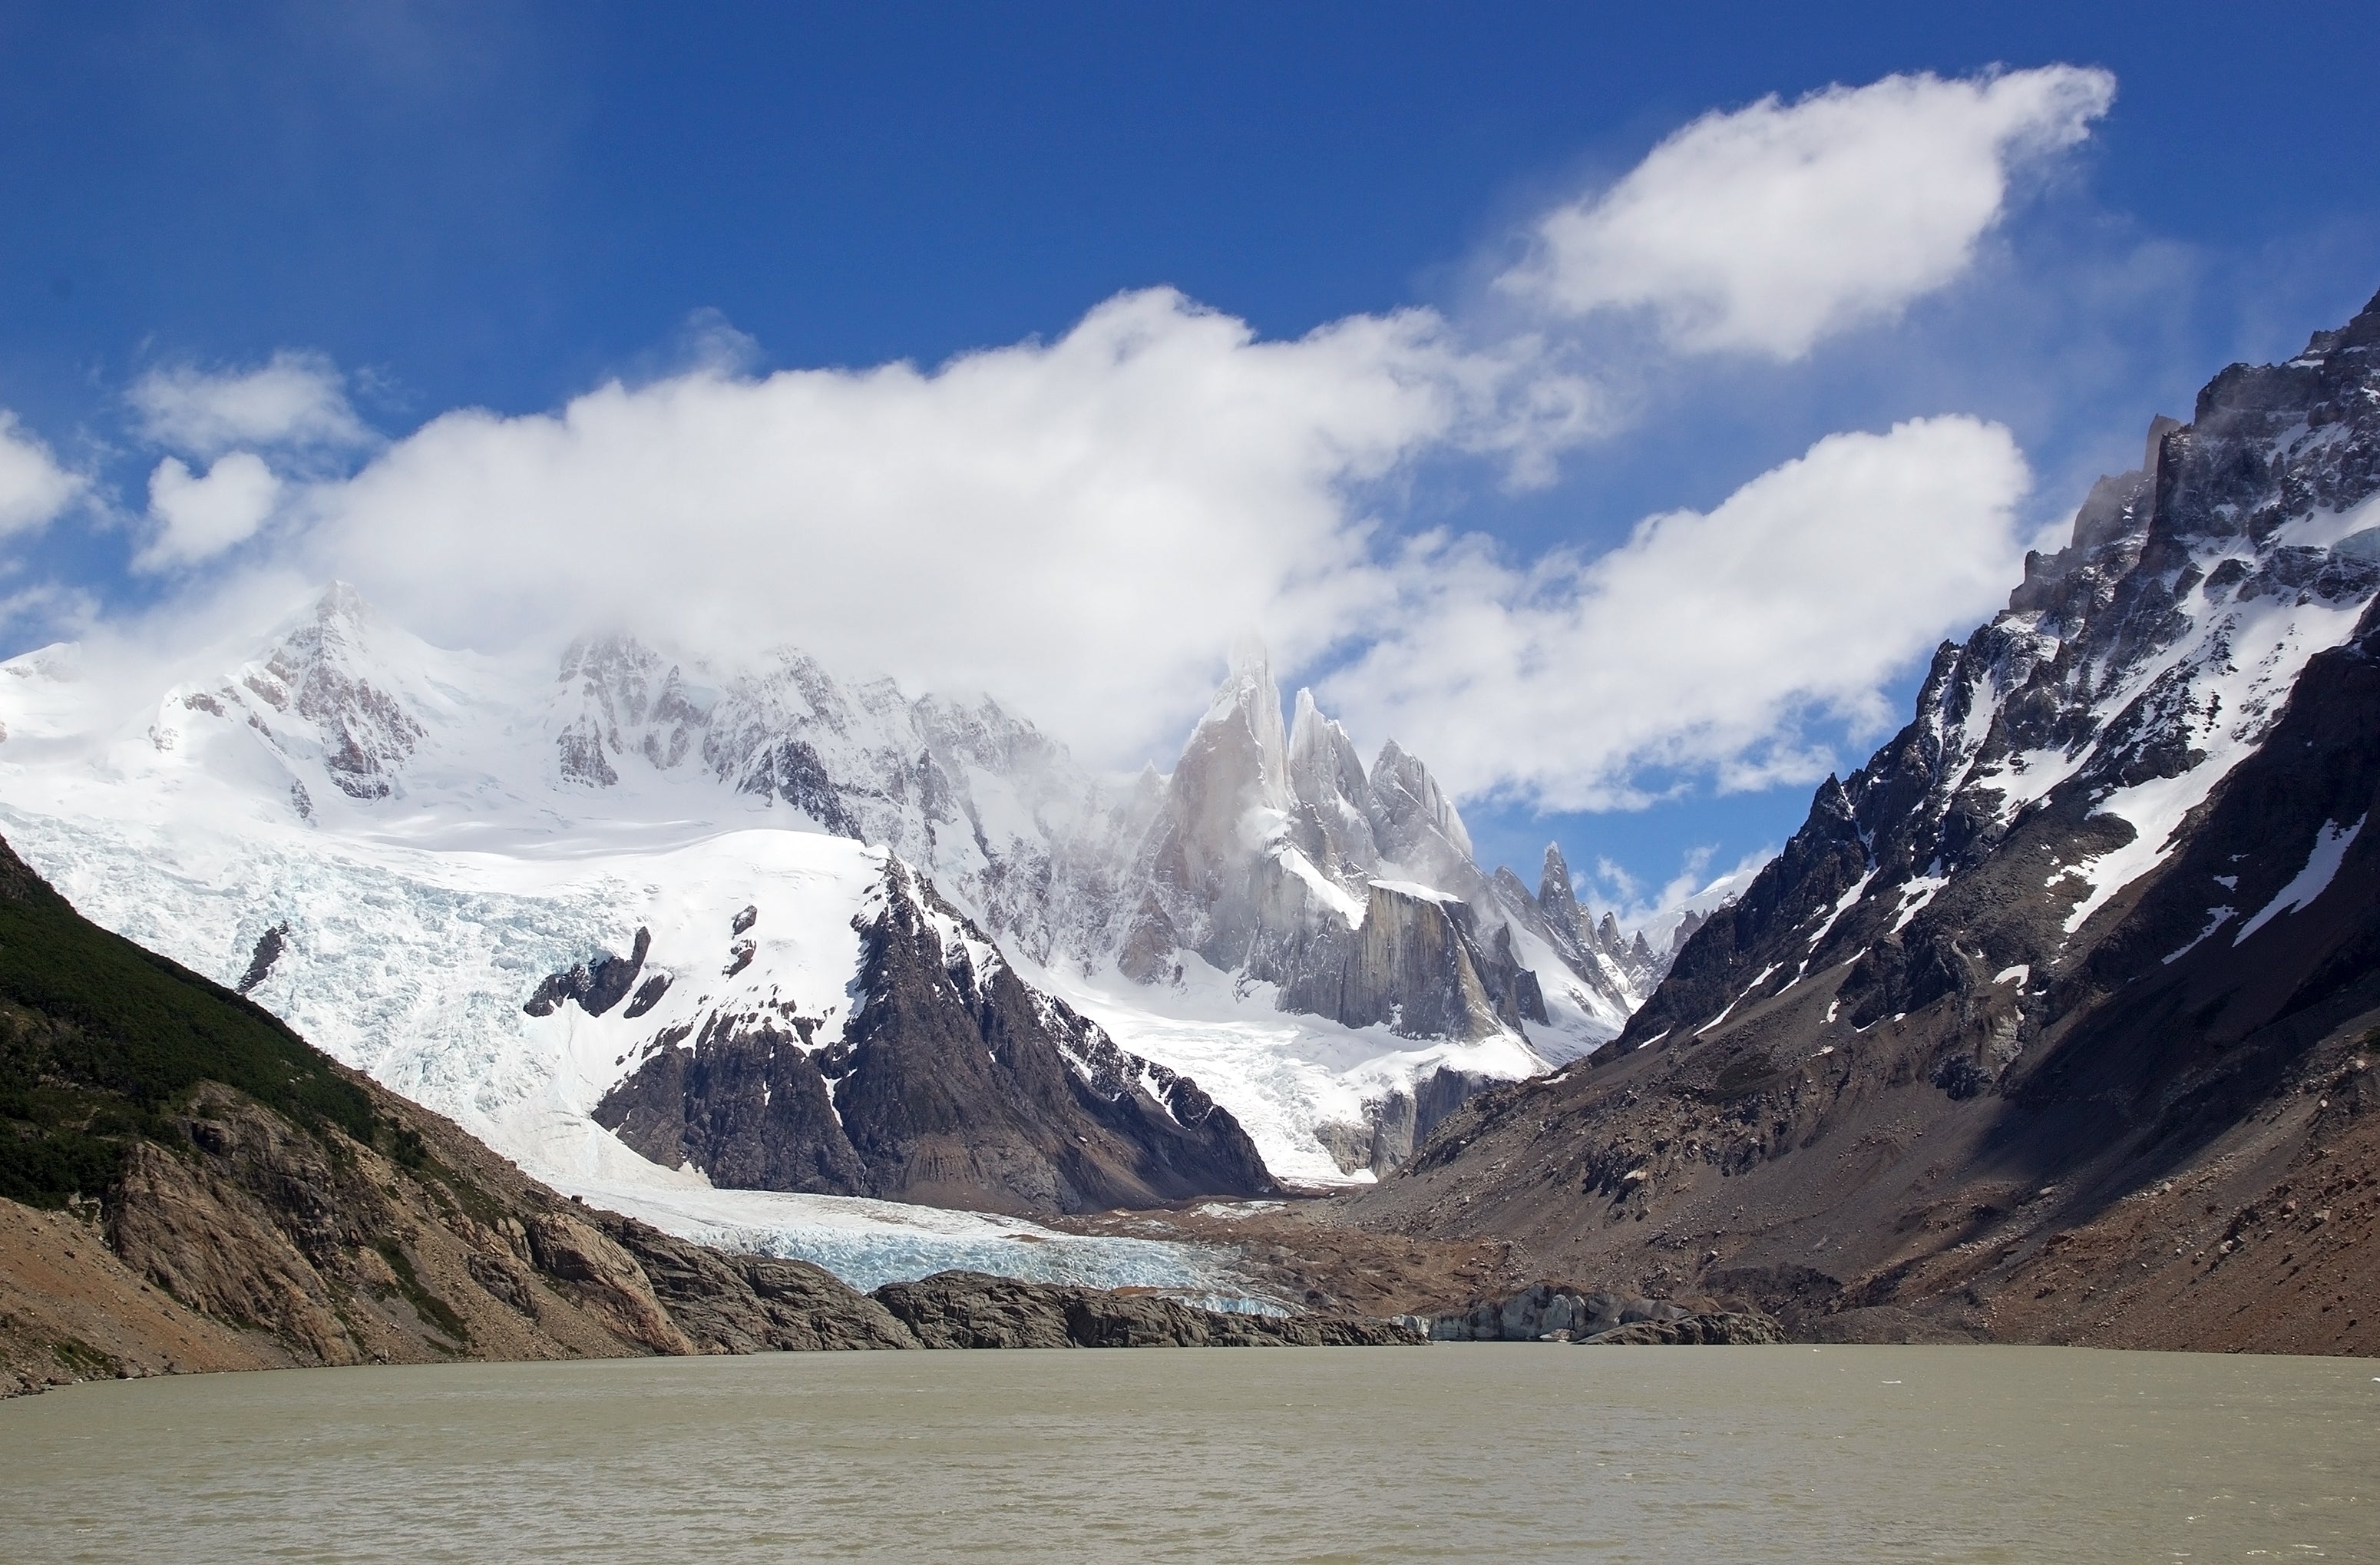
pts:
[324, 667]
[620, 697]
[1237, 758]
[2056, 758]
[331, 690]
[1417, 826]
[1555, 893]
[1283, 860]
[1209, 865]
[1572, 921]
[1333, 808]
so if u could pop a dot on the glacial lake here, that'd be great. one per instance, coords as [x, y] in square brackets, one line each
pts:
[1482, 1452]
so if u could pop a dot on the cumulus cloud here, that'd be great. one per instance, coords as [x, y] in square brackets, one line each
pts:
[1079, 526]
[1763, 229]
[33, 488]
[1657, 910]
[1701, 643]
[294, 400]
[200, 517]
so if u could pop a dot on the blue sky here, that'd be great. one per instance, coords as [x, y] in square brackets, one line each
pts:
[506, 206]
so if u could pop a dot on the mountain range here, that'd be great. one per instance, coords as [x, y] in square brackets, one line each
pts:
[647, 923]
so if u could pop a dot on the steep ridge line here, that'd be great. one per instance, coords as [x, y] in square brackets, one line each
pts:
[1991, 1049]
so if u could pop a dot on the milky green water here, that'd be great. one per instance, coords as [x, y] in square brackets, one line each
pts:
[1486, 1451]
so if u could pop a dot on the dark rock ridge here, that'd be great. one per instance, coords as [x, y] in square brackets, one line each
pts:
[954, 1084]
[1711, 1329]
[2073, 986]
[597, 986]
[967, 1309]
[2111, 661]
[269, 946]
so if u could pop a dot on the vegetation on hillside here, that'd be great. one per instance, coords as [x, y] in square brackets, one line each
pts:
[101, 1040]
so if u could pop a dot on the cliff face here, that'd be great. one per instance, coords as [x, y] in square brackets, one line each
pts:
[1419, 963]
[2056, 1020]
[954, 1084]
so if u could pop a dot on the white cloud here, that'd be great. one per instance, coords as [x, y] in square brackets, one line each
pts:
[33, 488]
[1766, 228]
[1656, 911]
[1079, 525]
[200, 517]
[294, 400]
[1701, 643]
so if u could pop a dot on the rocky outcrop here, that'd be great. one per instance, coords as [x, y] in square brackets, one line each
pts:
[269, 946]
[724, 1302]
[745, 1102]
[1554, 1313]
[1277, 856]
[595, 985]
[952, 1083]
[1537, 1312]
[1398, 1120]
[1714, 1328]
[967, 1309]
[2071, 985]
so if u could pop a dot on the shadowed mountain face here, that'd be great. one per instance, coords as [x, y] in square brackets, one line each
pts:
[2055, 1019]
[954, 1083]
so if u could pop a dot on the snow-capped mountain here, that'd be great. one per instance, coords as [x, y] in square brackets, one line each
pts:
[2064, 753]
[770, 927]
[2051, 1007]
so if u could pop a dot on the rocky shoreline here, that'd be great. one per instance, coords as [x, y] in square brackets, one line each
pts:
[1559, 1313]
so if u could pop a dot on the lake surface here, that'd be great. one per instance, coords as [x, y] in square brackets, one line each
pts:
[1454, 1451]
